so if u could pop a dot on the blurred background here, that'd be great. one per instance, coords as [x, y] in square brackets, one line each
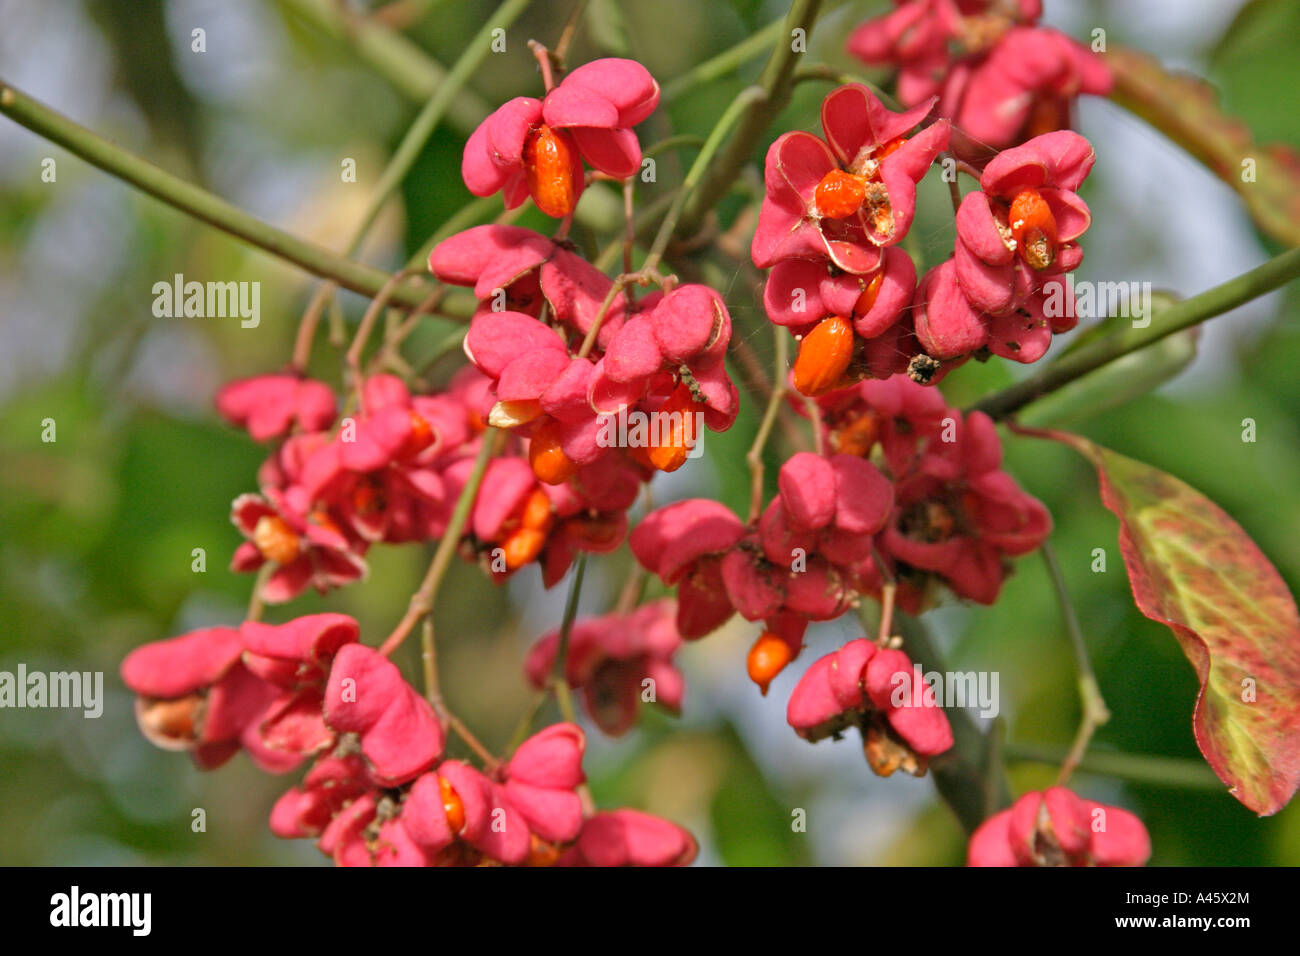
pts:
[97, 529]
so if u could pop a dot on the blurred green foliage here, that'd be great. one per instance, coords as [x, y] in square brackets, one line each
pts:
[97, 530]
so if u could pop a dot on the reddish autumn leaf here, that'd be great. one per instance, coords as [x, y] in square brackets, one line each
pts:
[1186, 109]
[1194, 569]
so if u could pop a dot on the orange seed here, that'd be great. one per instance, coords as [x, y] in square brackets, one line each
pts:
[553, 170]
[1034, 228]
[452, 805]
[545, 454]
[275, 539]
[840, 194]
[824, 356]
[767, 658]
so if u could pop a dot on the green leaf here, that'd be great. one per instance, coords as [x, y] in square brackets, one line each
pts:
[1253, 64]
[1195, 570]
[608, 28]
[751, 825]
[1119, 382]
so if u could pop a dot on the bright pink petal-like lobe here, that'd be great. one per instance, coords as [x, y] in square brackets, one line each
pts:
[399, 734]
[1118, 837]
[496, 339]
[946, 325]
[287, 653]
[493, 158]
[808, 490]
[669, 539]
[269, 406]
[1058, 828]
[990, 844]
[813, 707]
[632, 838]
[550, 758]
[609, 92]
[489, 257]
[182, 665]
[691, 321]
[1061, 159]
[864, 497]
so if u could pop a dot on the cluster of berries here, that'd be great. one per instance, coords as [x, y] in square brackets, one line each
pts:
[909, 496]
[997, 75]
[379, 791]
[392, 471]
[835, 210]
[556, 351]
[660, 357]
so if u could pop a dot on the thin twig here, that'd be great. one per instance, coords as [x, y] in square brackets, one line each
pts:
[368, 320]
[433, 691]
[1095, 712]
[775, 399]
[559, 679]
[422, 600]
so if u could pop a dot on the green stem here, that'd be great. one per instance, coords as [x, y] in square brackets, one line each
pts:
[775, 399]
[560, 680]
[1138, 768]
[775, 82]
[195, 201]
[1095, 712]
[699, 169]
[726, 61]
[402, 63]
[681, 140]
[422, 600]
[433, 693]
[426, 122]
[1222, 298]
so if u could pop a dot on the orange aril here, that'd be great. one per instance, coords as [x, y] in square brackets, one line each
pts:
[546, 455]
[541, 853]
[766, 659]
[521, 546]
[824, 356]
[868, 296]
[365, 497]
[419, 438]
[676, 431]
[840, 194]
[537, 512]
[171, 723]
[275, 539]
[553, 170]
[857, 437]
[452, 805]
[1033, 227]
[322, 519]
[892, 146]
